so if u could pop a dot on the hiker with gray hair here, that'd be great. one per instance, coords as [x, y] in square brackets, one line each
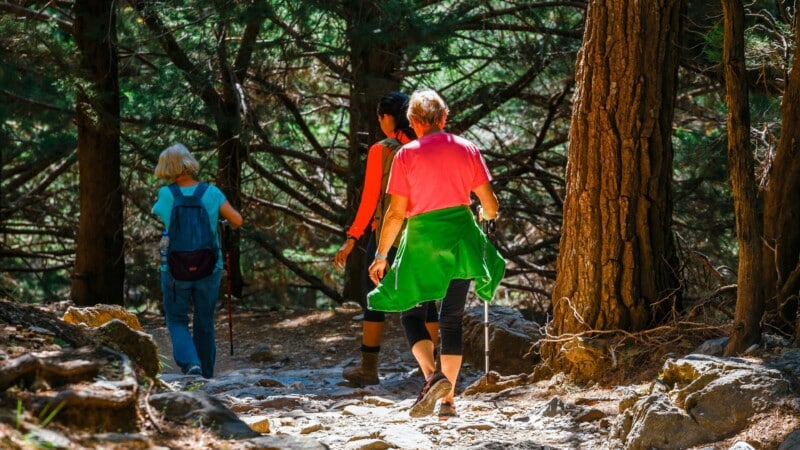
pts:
[442, 248]
[191, 278]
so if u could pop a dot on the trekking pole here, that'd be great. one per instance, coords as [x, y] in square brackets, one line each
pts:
[230, 302]
[226, 229]
[488, 228]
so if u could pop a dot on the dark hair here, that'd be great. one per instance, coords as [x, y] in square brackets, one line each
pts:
[396, 105]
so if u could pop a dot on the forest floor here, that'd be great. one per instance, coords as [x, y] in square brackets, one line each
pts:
[312, 347]
[307, 350]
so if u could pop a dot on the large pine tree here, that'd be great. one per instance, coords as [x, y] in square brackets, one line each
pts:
[616, 257]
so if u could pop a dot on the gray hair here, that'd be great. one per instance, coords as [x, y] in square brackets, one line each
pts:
[427, 107]
[175, 161]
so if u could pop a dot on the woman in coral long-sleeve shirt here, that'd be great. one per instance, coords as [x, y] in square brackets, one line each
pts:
[374, 201]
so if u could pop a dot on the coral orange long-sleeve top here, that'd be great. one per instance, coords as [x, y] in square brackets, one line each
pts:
[372, 187]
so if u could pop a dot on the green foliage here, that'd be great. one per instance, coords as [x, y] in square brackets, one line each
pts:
[504, 67]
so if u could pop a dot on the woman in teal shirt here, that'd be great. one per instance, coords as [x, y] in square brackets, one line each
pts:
[194, 352]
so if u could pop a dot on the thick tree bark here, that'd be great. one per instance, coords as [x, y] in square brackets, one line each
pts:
[616, 263]
[750, 301]
[99, 262]
[782, 209]
[374, 73]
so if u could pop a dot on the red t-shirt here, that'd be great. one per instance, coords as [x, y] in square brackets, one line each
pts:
[372, 187]
[437, 171]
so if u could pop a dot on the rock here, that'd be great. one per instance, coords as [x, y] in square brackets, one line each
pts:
[517, 445]
[708, 398]
[44, 438]
[368, 444]
[402, 436]
[129, 440]
[512, 340]
[98, 315]
[722, 393]
[259, 423]
[655, 422]
[555, 407]
[791, 442]
[280, 442]
[713, 347]
[741, 445]
[263, 353]
[198, 408]
[139, 346]
[589, 415]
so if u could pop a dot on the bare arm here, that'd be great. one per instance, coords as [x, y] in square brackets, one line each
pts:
[392, 224]
[488, 201]
[228, 212]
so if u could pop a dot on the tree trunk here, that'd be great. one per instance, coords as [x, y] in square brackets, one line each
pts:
[374, 73]
[228, 119]
[616, 263]
[782, 209]
[99, 262]
[750, 300]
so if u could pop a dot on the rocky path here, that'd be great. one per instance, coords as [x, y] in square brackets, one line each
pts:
[285, 380]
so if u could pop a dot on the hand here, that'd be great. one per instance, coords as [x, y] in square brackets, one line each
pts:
[482, 217]
[377, 270]
[344, 251]
[488, 224]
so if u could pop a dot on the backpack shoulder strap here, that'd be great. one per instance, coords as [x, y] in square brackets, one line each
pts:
[200, 189]
[392, 144]
[176, 191]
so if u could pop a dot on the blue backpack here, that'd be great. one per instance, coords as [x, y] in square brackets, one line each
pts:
[193, 252]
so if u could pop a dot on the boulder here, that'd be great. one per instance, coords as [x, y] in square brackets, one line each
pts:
[200, 409]
[139, 346]
[98, 315]
[121, 331]
[512, 340]
[699, 399]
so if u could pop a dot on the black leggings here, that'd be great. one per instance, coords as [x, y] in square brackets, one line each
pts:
[450, 317]
[370, 315]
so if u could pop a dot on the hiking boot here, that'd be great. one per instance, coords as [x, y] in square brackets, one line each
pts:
[366, 373]
[194, 370]
[447, 410]
[435, 388]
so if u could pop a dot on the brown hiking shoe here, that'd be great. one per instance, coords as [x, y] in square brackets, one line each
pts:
[364, 374]
[437, 387]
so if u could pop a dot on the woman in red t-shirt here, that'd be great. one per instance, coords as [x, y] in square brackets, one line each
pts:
[442, 250]
[394, 124]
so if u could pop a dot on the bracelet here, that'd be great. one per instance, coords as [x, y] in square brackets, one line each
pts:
[380, 255]
[350, 237]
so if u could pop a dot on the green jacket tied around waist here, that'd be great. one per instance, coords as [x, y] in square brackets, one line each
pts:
[437, 247]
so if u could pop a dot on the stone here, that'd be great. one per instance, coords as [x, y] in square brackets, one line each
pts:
[282, 442]
[98, 315]
[512, 340]
[706, 399]
[259, 423]
[589, 415]
[138, 345]
[198, 408]
[713, 347]
[368, 444]
[791, 442]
